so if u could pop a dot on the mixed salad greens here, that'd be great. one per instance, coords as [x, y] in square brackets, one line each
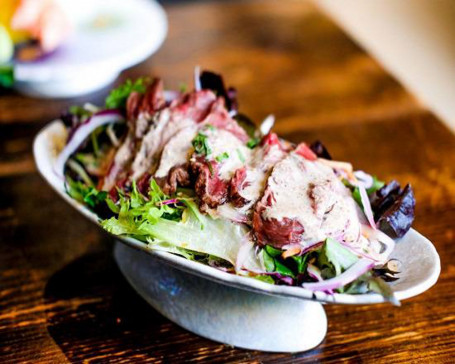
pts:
[185, 213]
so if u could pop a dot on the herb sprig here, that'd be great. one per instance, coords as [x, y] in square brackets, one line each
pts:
[118, 96]
[201, 145]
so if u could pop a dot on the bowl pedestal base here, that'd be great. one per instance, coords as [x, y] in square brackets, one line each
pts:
[221, 313]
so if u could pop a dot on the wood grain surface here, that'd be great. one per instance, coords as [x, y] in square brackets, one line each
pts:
[62, 298]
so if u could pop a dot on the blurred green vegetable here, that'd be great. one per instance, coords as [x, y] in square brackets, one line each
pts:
[6, 46]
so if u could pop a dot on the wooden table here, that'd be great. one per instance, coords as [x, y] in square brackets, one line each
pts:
[62, 298]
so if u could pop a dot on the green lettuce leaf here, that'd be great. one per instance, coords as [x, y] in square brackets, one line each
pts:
[274, 263]
[336, 256]
[377, 184]
[181, 227]
[369, 282]
[85, 194]
[118, 96]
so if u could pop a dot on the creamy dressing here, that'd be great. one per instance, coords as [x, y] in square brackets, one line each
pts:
[221, 141]
[177, 151]
[179, 148]
[230, 212]
[176, 123]
[254, 184]
[166, 124]
[310, 193]
[150, 144]
[258, 169]
[142, 124]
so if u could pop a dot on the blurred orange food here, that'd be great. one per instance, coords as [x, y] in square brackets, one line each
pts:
[40, 20]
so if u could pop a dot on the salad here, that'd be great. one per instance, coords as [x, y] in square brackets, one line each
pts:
[185, 172]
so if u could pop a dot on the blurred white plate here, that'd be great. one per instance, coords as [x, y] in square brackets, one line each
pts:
[108, 37]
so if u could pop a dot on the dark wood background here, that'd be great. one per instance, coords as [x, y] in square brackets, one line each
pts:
[62, 298]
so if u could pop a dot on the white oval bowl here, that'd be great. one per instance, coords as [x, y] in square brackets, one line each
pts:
[419, 258]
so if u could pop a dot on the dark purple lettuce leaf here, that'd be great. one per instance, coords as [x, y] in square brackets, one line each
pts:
[398, 218]
[320, 150]
[393, 209]
[71, 122]
[383, 198]
[213, 81]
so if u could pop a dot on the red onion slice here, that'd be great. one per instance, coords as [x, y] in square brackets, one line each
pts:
[384, 239]
[373, 235]
[267, 125]
[314, 272]
[359, 252]
[170, 201]
[94, 122]
[366, 205]
[312, 247]
[197, 79]
[228, 212]
[350, 275]
[245, 248]
[364, 178]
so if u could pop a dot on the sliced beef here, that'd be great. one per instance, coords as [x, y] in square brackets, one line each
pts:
[139, 108]
[224, 143]
[143, 183]
[122, 159]
[153, 98]
[248, 183]
[151, 102]
[225, 152]
[210, 188]
[133, 104]
[184, 112]
[276, 232]
[146, 155]
[212, 174]
[177, 176]
[177, 151]
[224, 137]
[304, 202]
[303, 150]
[236, 185]
[219, 117]
[194, 105]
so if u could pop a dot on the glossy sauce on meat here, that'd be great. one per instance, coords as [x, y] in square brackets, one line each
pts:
[305, 202]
